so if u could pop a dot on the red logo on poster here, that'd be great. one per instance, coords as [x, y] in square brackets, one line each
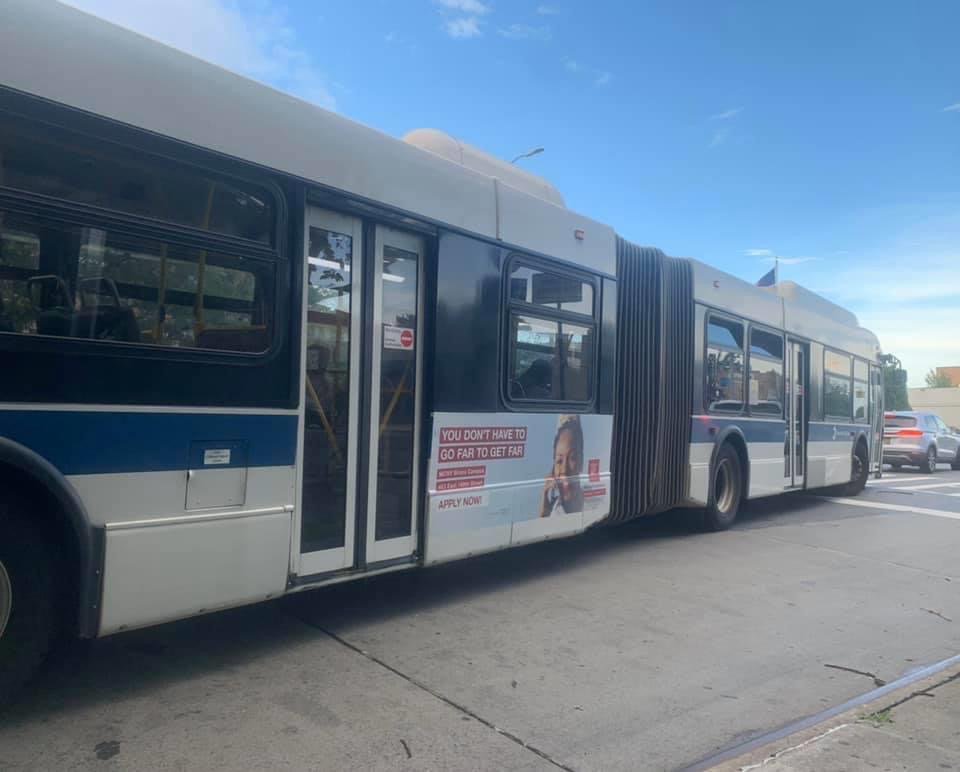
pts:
[406, 339]
[593, 467]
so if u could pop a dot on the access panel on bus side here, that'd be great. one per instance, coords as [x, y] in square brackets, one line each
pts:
[510, 464]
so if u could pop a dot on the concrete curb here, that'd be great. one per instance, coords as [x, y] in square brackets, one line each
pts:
[795, 743]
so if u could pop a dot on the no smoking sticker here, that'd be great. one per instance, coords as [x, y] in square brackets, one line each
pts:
[399, 338]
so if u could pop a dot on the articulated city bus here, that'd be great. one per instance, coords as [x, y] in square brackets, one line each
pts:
[250, 347]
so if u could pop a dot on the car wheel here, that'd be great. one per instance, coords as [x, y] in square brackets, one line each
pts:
[860, 472]
[28, 598]
[955, 464]
[726, 490]
[931, 465]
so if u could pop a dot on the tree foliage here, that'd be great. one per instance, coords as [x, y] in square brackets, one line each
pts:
[894, 384]
[937, 380]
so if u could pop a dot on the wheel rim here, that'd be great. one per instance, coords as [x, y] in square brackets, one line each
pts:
[724, 487]
[858, 466]
[6, 598]
[931, 459]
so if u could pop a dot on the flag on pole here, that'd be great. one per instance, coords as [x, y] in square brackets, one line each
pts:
[770, 278]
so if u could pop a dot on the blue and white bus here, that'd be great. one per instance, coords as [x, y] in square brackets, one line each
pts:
[250, 347]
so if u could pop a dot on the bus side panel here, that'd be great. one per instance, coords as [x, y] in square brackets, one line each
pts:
[195, 506]
[487, 481]
[765, 444]
[830, 450]
[767, 464]
[701, 454]
[158, 573]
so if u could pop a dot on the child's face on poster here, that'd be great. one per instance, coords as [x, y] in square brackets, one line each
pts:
[566, 465]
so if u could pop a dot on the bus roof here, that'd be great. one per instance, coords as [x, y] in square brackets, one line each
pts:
[786, 306]
[65, 55]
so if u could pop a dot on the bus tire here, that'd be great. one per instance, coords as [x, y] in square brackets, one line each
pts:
[28, 596]
[726, 490]
[860, 470]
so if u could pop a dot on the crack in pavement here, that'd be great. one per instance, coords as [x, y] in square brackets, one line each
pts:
[443, 698]
[877, 681]
[937, 614]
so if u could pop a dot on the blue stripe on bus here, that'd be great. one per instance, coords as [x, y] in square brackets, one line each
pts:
[766, 430]
[834, 432]
[754, 430]
[88, 442]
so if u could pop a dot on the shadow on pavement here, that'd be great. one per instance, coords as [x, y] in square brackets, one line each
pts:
[83, 673]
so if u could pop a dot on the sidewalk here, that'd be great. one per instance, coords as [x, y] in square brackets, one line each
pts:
[916, 728]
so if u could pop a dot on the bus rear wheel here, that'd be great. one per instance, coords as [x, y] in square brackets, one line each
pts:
[28, 597]
[861, 470]
[726, 490]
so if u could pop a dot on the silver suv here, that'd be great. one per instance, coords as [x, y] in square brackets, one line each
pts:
[921, 439]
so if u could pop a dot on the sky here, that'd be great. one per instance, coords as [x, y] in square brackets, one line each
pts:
[825, 133]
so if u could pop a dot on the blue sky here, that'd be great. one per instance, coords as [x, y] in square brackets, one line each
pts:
[824, 132]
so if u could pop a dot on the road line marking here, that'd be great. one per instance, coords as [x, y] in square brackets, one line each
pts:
[925, 487]
[893, 507]
[911, 478]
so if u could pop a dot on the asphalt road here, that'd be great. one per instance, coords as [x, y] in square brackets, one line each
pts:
[641, 647]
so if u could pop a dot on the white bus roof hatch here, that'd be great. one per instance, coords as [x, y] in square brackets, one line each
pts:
[451, 148]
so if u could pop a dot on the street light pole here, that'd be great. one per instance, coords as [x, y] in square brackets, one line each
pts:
[528, 154]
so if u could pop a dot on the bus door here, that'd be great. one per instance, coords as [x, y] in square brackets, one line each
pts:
[361, 408]
[396, 367]
[796, 380]
[876, 419]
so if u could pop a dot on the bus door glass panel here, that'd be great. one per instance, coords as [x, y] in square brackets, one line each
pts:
[329, 396]
[795, 466]
[392, 492]
[876, 418]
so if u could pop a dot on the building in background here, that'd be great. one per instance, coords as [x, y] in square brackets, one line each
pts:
[944, 402]
[952, 373]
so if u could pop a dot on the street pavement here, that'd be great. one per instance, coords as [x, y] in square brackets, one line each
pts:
[647, 646]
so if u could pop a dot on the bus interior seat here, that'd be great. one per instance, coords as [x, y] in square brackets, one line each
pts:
[52, 304]
[249, 340]
[536, 382]
[109, 320]
[6, 324]
[56, 315]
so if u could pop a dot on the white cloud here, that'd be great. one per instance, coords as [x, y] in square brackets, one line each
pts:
[471, 7]
[547, 10]
[720, 136]
[954, 108]
[525, 32]
[726, 115]
[465, 27]
[600, 78]
[758, 252]
[246, 38]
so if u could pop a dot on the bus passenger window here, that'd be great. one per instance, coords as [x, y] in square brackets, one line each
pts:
[550, 360]
[766, 373]
[71, 281]
[838, 385]
[724, 365]
[552, 335]
[861, 391]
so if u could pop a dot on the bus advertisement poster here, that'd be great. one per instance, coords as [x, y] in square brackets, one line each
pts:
[533, 474]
